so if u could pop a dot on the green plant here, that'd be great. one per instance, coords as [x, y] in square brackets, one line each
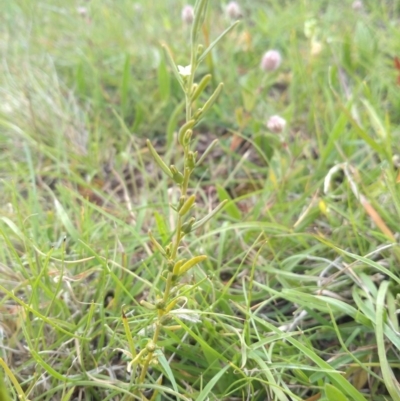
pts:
[176, 266]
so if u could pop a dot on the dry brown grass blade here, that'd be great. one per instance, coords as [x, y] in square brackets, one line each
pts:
[376, 218]
[350, 172]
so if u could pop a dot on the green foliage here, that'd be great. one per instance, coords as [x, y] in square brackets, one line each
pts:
[159, 241]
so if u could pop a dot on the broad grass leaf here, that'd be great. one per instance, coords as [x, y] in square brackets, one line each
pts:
[230, 208]
[333, 394]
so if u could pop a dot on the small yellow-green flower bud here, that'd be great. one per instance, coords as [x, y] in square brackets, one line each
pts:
[160, 304]
[176, 175]
[170, 265]
[191, 160]
[187, 226]
[182, 131]
[200, 49]
[187, 205]
[187, 137]
[178, 265]
[150, 347]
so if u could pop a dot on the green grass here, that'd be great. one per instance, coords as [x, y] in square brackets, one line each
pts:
[298, 298]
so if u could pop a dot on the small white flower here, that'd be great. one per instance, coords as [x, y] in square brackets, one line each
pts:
[276, 124]
[185, 71]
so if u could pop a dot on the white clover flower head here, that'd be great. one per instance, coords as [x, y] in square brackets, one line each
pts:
[271, 60]
[187, 14]
[276, 124]
[82, 11]
[233, 10]
[185, 71]
[357, 5]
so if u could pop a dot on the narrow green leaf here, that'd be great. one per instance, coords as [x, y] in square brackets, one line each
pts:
[128, 335]
[336, 378]
[13, 227]
[333, 394]
[389, 378]
[209, 386]
[125, 85]
[39, 360]
[167, 369]
[173, 123]
[173, 66]
[51, 322]
[214, 43]
[162, 227]
[4, 395]
[360, 131]
[205, 219]
[279, 394]
[375, 120]
[156, 244]
[210, 147]
[231, 208]
[80, 82]
[199, 15]
[158, 159]
[363, 259]
[66, 221]
[213, 98]
[139, 116]
[68, 395]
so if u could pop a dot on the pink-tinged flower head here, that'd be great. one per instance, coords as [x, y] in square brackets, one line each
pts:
[357, 5]
[233, 10]
[187, 14]
[271, 60]
[276, 124]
